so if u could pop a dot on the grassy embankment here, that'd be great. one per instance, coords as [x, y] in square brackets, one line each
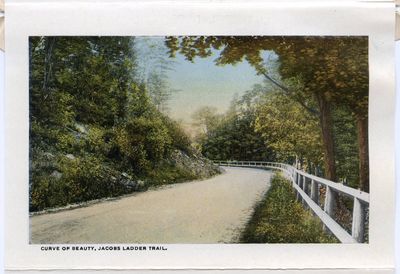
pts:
[279, 218]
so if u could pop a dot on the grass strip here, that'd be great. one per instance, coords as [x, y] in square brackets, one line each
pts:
[279, 218]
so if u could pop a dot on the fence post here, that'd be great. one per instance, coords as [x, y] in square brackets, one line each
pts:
[304, 188]
[314, 191]
[298, 182]
[305, 184]
[329, 201]
[357, 230]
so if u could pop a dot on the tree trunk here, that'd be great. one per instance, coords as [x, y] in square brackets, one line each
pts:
[325, 117]
[363, 152]
[48, 65]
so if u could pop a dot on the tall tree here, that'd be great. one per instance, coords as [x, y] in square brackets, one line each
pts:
[317, 61]
[93, 73]
[154, 66]
[93, 125]
[288, 130]
[234, 137]
[206, 119]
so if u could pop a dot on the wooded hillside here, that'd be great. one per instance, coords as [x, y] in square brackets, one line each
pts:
[95, 130]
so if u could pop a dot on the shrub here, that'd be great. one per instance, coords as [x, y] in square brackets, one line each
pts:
[180, 140]
[95, 141]
[142, 142]
[169, 174]
[79, 179]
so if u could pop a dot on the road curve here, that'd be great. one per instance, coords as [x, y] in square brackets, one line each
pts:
[209, 211]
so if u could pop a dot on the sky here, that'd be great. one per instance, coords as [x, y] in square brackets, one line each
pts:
[202, 83]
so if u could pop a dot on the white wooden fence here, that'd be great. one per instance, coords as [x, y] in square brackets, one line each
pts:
[307, 188]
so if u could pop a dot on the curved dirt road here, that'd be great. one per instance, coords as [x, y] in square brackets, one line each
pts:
[208, 211]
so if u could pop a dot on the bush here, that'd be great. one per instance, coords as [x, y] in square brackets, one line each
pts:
[279, 218]
[95, 141]
[73, 180]
[180, 140]
[170, 174]
[94, 129]
[142, 142]
[45, 192]
[85, 162]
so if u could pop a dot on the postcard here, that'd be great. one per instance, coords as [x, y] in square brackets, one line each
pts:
[199, 135]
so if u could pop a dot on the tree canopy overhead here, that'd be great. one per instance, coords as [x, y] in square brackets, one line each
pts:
[329, 71]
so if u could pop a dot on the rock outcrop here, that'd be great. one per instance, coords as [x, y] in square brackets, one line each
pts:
[201, 167]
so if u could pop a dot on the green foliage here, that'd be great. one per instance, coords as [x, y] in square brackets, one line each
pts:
[71, 181]
[206, 119]
[289, 130]
[279, 218]
[142, 141]
[91, 122]
[89, 77]
[159, 90]
[169, 174]
[179, 139]
[336, 66]
[232, 136]
[346, 147]
[95, 141]
[154, 66]
[235, 139]
[328, 72]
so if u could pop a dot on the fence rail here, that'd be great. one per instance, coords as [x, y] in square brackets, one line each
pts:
[307, 187]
